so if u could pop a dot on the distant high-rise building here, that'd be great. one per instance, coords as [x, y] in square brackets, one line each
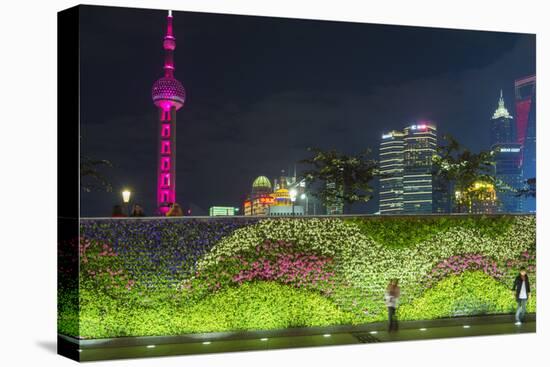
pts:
[525, 95]
[392, 150]
[508, 155]
[337, 207]
[526, 111]
[441, 198]
[420, 145]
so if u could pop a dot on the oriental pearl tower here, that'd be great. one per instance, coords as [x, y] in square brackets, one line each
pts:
[169, 96]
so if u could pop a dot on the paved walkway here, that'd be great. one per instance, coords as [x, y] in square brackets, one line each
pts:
[101, 349]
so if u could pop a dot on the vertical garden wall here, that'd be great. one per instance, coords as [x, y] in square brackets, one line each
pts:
[175, 276]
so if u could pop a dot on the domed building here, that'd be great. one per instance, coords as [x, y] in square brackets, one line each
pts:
[264, 201]
[282, 201]
[260, 197]
[261, 185]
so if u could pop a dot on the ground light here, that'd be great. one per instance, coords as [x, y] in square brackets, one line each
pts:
[326, 335]
[151, 346]
[373, 332]
[263, 339]
[422, 329]
[466, 326]
[206, 343]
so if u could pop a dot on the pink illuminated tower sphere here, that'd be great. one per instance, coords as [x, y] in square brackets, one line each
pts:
[169, 96]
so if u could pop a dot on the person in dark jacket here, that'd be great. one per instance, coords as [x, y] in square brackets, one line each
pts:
[522, 291]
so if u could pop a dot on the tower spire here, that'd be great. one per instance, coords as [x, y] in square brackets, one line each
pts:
[169, 46]
[501, 110]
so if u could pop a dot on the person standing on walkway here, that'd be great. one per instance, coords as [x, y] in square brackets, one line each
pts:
[522, 291]
[391, 298]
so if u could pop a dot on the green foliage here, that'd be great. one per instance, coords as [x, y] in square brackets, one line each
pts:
[360, 254]
[67, 311]
[252, 306]
[407, 231]
[471, 293]
[343, 178]
[456, 164]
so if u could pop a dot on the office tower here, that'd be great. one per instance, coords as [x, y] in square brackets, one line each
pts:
[508, 155]
[526, 111]
[169, 96]
[420, 144]
[392, 150]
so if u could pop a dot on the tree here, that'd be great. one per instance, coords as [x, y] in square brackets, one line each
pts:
[466, 172]
[343, 178]
[91, 179]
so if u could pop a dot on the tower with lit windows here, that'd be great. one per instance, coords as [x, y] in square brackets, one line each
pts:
[507, 154]
[526, 116]
[420, 144]
[392, 148]
[169, 96]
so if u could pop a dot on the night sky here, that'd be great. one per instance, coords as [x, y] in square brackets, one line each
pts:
[261, 90]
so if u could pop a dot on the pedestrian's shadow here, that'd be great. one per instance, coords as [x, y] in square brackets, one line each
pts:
[50, 346]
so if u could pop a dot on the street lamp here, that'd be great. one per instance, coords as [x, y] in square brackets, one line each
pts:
[293, 193]
[304, 197]
[126, 199]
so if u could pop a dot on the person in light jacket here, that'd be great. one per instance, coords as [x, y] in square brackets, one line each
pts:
[391, 299]
[522, 291]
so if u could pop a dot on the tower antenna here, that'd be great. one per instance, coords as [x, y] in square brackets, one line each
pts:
[169, 96]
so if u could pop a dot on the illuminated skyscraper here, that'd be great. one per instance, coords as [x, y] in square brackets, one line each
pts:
[169, 96]
[508, 154]
[525, 96]
[526, 116]
[420, 143]
[392, 150]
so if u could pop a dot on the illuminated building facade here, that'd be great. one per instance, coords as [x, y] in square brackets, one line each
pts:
[169, 96]
[260, 197]
[525, 90]
[297, 186]
[480, 198]
[282, 201]
[508, 156]
[222, 211]
[264, 201]
[420, 143]
[392, 150]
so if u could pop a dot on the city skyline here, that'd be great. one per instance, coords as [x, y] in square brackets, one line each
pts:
[244, 119]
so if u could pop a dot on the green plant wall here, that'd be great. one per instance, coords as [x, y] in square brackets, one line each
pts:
[172, 277]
